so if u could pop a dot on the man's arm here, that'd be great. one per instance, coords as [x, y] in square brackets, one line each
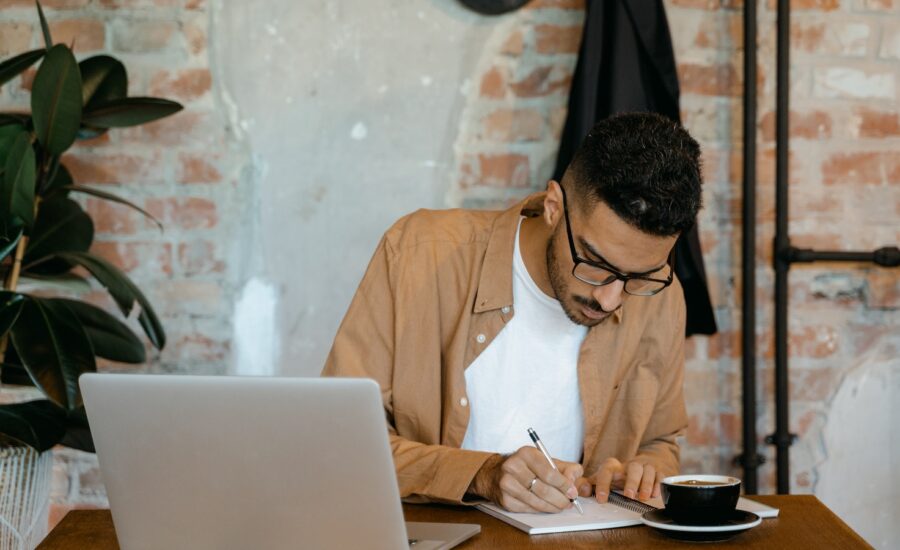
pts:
[364, 347]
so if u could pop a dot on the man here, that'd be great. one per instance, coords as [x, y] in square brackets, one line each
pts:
[561, 313]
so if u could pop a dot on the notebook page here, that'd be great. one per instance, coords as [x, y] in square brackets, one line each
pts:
[596, 516]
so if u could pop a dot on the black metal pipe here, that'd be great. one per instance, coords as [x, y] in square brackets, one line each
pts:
[782, 438]
[750, 458]
[888, 256]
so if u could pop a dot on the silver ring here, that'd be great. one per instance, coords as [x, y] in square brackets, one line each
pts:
[533, 481]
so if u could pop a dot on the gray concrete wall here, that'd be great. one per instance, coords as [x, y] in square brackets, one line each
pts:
[350, 109]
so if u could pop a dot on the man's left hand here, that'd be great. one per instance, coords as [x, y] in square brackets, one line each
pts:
[637, 479]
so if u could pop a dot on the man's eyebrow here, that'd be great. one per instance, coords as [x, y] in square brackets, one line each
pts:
[593, 252]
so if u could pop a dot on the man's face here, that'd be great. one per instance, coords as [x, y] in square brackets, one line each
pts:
[599, 235]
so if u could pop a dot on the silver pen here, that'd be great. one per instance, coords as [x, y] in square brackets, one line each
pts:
[540, 445]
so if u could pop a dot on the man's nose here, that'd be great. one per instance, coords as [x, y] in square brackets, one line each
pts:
[609, 296]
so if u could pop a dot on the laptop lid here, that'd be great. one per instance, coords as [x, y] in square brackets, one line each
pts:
[243, 462]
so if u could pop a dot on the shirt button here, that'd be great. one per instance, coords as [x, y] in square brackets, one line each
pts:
[505, 309]
[480, 338]
[464, 402]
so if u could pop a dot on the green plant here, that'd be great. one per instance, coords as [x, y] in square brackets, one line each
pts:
[45, 340]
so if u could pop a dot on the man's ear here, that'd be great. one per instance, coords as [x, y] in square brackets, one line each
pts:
[553, 204]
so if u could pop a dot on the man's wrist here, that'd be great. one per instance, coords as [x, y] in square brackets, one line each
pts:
[482, 484]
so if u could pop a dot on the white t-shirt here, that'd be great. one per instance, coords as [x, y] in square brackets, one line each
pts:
[528, 377]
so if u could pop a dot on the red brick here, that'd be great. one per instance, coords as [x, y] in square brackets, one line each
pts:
[94, 168]
[48, 4]
[184, 213]
[195, 4]
[144, 36]
[813, 384]
[184, 85]
[703, 429]
[198, 257]
[139, 3]
[514, 44]
[113, 219]
[723, 30]
[813, 341]
[197, 168]
[712, 80]
[15, 38]
[513, 125]
[708, 4]
[870, 123]
[493, 84]
[859, 168]
[197, 347]
[804, 125]
[543, 81]
[188, 296]
[725, 344]
[731, 428]
[820, 5]
[100, 141]
[188, 127]
[883, 288]
[148, 257]
[504, 170]
[551, 39]
[195, 34]
[881, 5]
[87, 35]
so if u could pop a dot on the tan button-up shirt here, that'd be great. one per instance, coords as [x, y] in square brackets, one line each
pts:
[437, 292]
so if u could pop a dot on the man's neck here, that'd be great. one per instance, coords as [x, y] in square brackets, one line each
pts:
[534, 235]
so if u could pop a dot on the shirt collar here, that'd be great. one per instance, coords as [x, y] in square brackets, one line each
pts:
[495, 284]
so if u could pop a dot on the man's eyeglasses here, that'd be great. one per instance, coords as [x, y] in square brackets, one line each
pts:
[601, 273]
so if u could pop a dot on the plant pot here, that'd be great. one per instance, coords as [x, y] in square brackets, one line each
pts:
[25, 479]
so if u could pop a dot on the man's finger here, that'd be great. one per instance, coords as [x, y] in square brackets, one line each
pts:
[538, 464]
[647, 482]
[570, 470]
[634, 473]
[584, 486]
[537, 497]
[604, 477]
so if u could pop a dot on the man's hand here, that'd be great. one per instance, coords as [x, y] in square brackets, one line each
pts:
[637, 479]
[507, 481]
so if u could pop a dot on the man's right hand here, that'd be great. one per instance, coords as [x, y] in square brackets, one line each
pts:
[507, 481]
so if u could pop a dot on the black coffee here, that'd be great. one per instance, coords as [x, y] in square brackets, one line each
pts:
[696, 482]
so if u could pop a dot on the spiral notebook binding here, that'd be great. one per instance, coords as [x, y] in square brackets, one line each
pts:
[629, 504]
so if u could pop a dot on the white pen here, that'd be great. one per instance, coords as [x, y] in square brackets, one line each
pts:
[540, 445]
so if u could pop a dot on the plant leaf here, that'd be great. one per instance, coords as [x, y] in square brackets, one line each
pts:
[110, 338]
[56, 100]
[45, 29]
[17, 192]
[129, 111]
[10, 307]
[103, 78]
[8, 134]
[39, 424]
[61, 179]
[122, 290]
[61, 226]
[54, 349]
[78, 432]
[14, 66]
[111, 197]
[8, 247]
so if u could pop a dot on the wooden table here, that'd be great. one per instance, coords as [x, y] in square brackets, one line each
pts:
[804, 522]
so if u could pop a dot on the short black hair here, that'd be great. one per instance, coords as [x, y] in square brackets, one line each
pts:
[645, 167]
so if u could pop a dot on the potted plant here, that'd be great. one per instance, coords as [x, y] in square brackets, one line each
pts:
[45, 340]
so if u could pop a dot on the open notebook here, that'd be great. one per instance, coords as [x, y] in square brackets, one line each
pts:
[620, 511]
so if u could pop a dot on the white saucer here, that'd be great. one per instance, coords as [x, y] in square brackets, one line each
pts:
[740, 521]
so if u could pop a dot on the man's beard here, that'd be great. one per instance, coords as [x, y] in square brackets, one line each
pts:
[561, 288]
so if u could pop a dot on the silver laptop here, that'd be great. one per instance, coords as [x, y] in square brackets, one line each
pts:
[195, 462]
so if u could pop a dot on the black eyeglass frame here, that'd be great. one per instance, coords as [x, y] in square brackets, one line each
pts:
[617, 275]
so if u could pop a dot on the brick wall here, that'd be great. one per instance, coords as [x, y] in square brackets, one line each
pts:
[185, 170]
[845, 188]
[845, 182]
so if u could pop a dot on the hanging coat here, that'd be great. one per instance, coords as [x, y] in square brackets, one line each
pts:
[626, 63]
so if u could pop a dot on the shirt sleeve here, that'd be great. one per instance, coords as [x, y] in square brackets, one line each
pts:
[659, 444]
[364, 347]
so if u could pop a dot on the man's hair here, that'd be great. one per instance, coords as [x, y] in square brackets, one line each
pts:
[645, 167]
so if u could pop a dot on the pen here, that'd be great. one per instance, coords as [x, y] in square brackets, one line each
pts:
[540, 445]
